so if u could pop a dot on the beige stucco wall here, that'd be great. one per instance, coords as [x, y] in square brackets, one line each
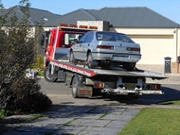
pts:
[156, 43]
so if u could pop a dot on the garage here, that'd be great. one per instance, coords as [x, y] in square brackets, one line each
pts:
[154, 48]
[156, 44]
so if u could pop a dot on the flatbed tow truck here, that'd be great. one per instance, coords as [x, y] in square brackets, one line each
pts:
[85, 82]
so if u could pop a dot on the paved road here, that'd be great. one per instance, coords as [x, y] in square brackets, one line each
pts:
[61, 94]
[83, 116]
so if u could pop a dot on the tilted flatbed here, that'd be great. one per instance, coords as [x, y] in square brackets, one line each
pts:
[113, 70]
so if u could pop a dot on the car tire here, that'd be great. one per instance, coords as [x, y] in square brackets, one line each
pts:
[129, 66]
[71, 57]
[90, 61]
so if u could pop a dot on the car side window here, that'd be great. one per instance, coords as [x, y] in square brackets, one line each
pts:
[89, 37]
[83, 38]
[127, 39]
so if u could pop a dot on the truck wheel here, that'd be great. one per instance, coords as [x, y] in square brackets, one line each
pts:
[48, 77]
[74, 87]
[129, 66]
[90, 61]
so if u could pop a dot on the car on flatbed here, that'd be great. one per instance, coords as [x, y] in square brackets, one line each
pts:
[104, 48]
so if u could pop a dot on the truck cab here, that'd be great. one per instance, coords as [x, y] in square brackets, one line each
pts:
[58, 40]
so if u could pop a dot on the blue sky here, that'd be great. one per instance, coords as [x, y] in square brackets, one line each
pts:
[167, 8]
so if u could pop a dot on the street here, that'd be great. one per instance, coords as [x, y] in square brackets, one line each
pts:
[95, 115]
[61, 94]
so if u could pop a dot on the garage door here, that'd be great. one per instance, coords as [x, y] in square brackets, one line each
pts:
[154, 48]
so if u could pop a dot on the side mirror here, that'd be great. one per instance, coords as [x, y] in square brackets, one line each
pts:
[41, 39]
[44, 38]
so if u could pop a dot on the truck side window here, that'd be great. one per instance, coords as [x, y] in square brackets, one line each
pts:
[66, 40]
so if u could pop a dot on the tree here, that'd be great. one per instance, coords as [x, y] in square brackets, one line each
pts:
[17, 52]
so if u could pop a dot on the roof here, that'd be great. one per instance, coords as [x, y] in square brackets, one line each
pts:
[117, 17]
[36, 15]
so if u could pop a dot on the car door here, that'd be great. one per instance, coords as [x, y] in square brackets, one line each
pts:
[85, 46]
[80, 49]
[77, 48]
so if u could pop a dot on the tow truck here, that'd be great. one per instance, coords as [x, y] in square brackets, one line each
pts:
[85, 82]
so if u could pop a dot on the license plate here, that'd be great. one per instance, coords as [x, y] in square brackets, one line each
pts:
[130, 86]
[119, 57]
[85, 92]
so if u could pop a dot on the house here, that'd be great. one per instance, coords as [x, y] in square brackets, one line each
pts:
[37, 17]
[158, 36]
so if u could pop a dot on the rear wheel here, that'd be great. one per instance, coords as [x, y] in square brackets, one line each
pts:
[129, 66]
[48, 77]
[74, 87]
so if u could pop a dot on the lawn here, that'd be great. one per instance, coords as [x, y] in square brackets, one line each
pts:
[173, 102]
[154, 121]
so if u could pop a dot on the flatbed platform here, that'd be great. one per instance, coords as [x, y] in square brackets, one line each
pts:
[113, 70]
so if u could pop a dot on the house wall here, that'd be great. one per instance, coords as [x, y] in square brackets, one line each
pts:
[156, 43]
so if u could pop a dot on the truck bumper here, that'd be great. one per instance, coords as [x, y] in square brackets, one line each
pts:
[128, 92]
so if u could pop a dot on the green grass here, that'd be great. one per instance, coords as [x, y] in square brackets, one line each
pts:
[174, 102]
[40, 73]
[36, 116]
[154, 121]
[2, 113]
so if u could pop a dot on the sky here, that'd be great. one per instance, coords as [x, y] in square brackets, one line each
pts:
[167, 8]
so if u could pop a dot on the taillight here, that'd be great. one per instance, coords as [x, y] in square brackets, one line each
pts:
[157, 86]
[98, 85]
[133, 49]
[105, 47]
[152, 86]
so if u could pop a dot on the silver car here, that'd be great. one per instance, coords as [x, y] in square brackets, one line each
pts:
[104, 48]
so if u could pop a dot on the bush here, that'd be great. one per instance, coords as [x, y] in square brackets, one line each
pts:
[38, 64]
[24, 96]
[18, 95]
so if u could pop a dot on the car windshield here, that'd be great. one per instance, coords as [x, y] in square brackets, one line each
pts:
[111, 36]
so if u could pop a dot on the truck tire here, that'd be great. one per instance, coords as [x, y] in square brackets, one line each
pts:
[48, 77]
[74, 86]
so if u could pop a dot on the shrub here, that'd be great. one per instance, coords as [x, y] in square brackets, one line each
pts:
[24, 96]
[17, 52]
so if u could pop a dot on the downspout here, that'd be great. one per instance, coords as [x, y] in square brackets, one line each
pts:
[177, 43]
[177, 51]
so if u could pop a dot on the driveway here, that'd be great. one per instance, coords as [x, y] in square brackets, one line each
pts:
[83, 116]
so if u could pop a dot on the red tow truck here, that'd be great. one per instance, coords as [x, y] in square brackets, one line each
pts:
[86, 82]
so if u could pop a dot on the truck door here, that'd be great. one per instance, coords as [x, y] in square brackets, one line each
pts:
[49, 49]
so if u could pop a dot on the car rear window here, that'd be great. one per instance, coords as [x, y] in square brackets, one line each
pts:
[112, 36]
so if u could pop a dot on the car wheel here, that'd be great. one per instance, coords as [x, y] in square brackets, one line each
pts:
[129, 66]
[90, 61]
[71, 57]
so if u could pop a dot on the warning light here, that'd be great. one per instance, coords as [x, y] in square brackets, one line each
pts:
[73, 25]
[63, 24]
